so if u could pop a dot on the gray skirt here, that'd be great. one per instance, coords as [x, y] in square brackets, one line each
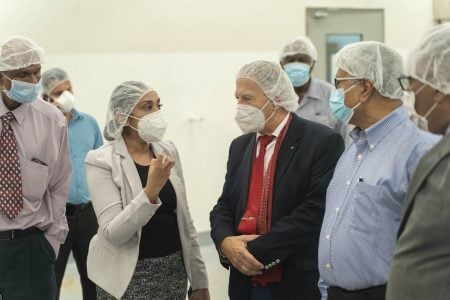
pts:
[155, 278]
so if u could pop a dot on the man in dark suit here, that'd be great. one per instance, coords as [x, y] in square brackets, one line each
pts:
[267, 221]
[420, 267]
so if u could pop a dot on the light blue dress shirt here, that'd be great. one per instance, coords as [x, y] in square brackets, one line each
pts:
[364, 201]
[84, 135]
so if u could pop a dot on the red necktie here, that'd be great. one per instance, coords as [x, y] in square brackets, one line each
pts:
[11, 197]
[249, 220]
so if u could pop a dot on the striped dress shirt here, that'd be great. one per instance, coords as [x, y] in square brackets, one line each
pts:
[364, 201]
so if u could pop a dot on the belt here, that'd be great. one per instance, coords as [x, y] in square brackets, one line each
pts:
[372, 293]
[14, 234]
[72, 210]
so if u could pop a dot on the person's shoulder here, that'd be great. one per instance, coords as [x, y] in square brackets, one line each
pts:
[48, 111]
[243, 139]
[415, 141]
[421, 137]
[313, 128]
[86, 116]
[321, 84]
[319, 90]
[101, 156]
[167, 146]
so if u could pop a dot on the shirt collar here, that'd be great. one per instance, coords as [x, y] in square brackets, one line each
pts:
[379, 130]
[75, 115]
[19, 113]
[314, 91]
[277, 130]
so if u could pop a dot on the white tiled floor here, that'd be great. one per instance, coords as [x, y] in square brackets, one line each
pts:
[218, 276]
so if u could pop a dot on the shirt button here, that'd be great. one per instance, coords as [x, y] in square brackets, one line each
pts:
[360, 156]
[328, 266]
[328, 236]
[372, 146]
[348, 182]
[337, 209]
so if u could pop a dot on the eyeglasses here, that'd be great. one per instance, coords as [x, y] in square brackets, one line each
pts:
[338, 80]
[405, 82]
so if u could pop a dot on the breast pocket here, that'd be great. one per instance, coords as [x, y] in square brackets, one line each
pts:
[365, 207]
[34, 180]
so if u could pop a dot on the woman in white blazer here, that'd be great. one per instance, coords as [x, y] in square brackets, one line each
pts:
[146, 246]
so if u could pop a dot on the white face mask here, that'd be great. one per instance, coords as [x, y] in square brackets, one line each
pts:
[66, 101]
[151, 128]
[422, 121]
[250, 118]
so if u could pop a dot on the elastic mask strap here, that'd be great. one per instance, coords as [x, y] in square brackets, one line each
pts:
[430, 110]
[419, 90]
[130, 116]
[356, 106]
[265, 105]
[3, 88]
[270, 115]
[352, 87]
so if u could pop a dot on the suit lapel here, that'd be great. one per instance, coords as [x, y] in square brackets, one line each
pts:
[424, 168]
[288, 148]
[246, 168]
[129, 168]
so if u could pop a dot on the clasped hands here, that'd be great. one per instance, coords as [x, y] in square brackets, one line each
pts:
[234, 248]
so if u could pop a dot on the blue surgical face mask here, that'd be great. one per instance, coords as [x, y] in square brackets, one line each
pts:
[22, 92]
[337, 105]
[298, 73]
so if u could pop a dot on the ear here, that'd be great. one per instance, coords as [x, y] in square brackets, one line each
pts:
[367, 90]
[439, 96]
[120, 117]
[312, 66]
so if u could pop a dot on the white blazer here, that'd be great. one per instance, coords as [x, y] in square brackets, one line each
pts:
[122, 208]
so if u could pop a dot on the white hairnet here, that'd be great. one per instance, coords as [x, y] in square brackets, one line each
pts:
[429, 60]
[19, 52]
[299, 45]
[376, 62]
[274, 82]
[123, 100]
[52, 78]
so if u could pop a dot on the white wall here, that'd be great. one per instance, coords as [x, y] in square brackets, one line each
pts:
[189, 51]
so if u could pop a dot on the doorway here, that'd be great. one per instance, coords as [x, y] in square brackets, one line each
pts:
[330, 29]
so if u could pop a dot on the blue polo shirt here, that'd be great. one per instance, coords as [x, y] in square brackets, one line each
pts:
[84, 135]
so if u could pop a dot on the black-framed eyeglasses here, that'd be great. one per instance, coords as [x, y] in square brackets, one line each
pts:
[405, 82]
[338, 80]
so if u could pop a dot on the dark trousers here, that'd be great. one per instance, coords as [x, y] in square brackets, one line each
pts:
[82, 227]
[374, 293]
[27, 268]
[260, 293]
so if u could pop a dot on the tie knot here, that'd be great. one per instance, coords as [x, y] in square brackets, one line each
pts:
[8, 117]
[265, 140]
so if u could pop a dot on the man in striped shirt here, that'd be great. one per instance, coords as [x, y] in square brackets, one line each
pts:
[365, 196]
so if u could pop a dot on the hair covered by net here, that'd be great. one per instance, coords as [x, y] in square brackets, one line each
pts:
[299, 45]
[273, 81]
[18, 52]
[429, 60]
[52, 78]
[376, 62]
[122, 102]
